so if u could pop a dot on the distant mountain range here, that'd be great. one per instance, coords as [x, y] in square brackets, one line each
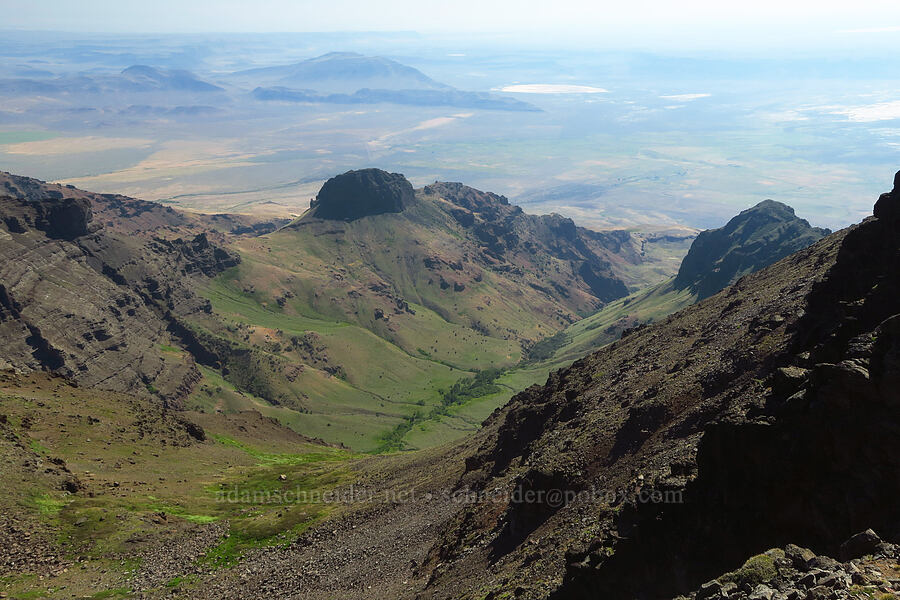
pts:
[134, 79]
[350, 78]
[334, 78]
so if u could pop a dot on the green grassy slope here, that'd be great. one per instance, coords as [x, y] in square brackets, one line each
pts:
[607, 324]
[574, 342]
[355, 331]
[350, 330]
[144, 483]
[375, 385]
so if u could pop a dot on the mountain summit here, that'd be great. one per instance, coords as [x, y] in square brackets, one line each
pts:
[755, 238]
[357, 194]
[347, 72]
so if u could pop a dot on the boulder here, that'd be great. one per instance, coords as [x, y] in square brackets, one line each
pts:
[800, 557]
[861, 544]
[710, 589]
[762, 592]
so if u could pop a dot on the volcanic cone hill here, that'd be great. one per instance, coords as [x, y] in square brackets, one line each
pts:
[357, 194]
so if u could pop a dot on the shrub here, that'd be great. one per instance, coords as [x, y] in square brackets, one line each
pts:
[757, 570]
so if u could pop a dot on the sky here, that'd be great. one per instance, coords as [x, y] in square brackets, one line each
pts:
[647, 18]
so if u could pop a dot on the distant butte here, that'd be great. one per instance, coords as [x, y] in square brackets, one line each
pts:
[362, 193]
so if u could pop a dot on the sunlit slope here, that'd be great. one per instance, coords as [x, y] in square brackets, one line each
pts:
[355, 321]
[132, 493]
[754, 239]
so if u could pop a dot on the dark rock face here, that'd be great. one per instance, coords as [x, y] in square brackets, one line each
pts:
[888, 205]
[358, 194]
[58, 217]
[65, 218]
[507, 233]
[756, 238]
[198, 255]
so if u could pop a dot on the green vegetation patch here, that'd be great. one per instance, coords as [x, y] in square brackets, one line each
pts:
[462, 392]
[756, 570]
[547, 347]
[271, 458]
[46, 504]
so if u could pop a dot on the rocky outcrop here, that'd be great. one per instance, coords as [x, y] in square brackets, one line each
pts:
[58, 217]
[511, 236]
[198, 255]
[796, 573]
[357, 194]
[756, 238]
[65, 218]
[888, 205]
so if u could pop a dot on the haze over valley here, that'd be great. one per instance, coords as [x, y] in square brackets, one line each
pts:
[255, 124]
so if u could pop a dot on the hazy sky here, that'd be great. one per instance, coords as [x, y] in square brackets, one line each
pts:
[581, 17]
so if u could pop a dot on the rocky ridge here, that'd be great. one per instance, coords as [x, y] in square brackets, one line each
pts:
[510, 235]
[757, 237]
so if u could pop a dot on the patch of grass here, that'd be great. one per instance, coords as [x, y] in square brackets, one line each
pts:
[38, 448]
[463, 391]
[270, 458]
[869, 592]
[166, 348]
[181, 513]
[227, 553]
[756, 570]
[122, 592]
[45, 504]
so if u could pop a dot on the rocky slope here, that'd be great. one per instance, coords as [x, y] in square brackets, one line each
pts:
[98, 304]
[763, 416]
[870, 569]
[752, 240]
[756, 238]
